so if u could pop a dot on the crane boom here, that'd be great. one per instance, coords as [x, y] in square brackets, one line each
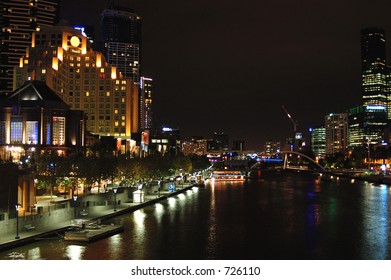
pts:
[290, 117]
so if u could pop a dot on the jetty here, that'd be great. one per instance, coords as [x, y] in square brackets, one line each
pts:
[91, 233]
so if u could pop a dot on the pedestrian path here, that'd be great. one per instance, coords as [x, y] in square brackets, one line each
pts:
[8, 241]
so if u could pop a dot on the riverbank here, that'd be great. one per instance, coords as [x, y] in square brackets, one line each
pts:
[9, 241]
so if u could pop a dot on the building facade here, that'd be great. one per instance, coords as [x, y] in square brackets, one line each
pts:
[145, 103]
[336, 129]
[80, 76]
[121, 38]
[34, 118]
[356, 133]
[18, 20]
[272, 148]
[375, 82]
[318, 141]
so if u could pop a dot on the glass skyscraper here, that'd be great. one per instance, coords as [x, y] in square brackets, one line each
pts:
[121, 38]
[375, 85]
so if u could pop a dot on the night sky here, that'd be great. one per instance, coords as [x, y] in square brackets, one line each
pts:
[230, 66]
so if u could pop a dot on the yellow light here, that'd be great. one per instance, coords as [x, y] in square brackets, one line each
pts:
[60, 53]
[113, 72]
[98, 60]
[75, 41]
[55, 63]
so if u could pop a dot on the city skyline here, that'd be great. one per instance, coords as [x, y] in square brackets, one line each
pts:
[231, 68]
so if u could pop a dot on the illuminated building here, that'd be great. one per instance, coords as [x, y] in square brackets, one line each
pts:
[167, 141]
[373, 59]
[272, 148]
[197, 145]
[59, 55]
[356, 133]
[318, 141]
[34, 118]
[121, 36]
[336, 128]
[375, 84]
[220, 142]
[18, 20]
[145, 115]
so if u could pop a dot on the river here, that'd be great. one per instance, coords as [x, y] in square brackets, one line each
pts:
[277, 217]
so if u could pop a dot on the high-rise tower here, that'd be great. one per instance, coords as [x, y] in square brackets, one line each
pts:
[83, 79]
[18, 20]
[373, 59]
[145, 100]
[375, 86]
[121, 38]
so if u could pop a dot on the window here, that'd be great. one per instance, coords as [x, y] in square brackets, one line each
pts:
[58, 130]
[16, 130]
[32, 132]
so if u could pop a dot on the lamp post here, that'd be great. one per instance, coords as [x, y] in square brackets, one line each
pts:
[74, 204]
[115, 199]
[17, 221]
[369, 154]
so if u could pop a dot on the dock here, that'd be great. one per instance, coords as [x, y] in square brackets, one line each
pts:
[92, 234]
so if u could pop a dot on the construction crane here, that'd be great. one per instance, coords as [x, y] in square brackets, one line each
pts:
[295, 123]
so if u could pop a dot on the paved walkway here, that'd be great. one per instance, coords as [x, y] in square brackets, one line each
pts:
[8, 241]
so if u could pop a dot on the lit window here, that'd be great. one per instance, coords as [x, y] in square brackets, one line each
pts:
[58, 130]
[32, 132]
[16, 130]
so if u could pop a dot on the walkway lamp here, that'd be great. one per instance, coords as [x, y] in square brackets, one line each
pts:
[74, 204]
[115, 199]
[17, 206]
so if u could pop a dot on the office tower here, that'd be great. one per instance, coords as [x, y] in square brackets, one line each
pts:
[121, 38]
[375, 84]
[373, 59]
[272, 148]
[356, 134]
[82, 78]
[318, 141]
[220, 141]
[336, 126]
[19, 19]
[145, 100]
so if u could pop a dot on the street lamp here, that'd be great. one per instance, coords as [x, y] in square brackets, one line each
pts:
[17, 206]
[369, 154]
[74, 204]
[115, 199]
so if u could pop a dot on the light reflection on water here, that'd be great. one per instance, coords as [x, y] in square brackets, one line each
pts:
[75, 252]
[282, 217]
[376, 222]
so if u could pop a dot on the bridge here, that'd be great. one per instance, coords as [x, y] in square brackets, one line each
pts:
[285, 161]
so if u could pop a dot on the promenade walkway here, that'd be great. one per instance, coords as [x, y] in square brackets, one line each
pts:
[8, 241]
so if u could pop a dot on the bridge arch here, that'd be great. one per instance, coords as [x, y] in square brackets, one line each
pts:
[286, 153]
[285, 160]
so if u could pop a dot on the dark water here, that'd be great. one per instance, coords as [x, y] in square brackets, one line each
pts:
[284, 217]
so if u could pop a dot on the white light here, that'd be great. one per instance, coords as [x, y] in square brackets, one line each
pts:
[376, 107]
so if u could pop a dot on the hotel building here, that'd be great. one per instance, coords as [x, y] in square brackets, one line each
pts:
[80, 76]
